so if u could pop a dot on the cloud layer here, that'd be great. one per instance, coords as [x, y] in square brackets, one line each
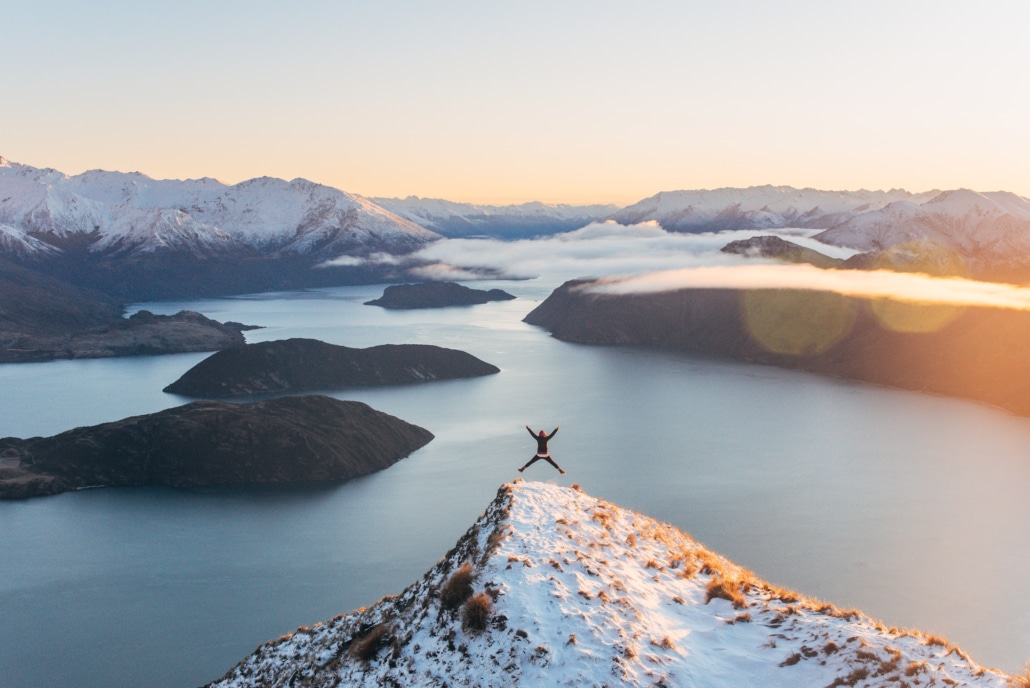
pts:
[901, 286]
[645, 258]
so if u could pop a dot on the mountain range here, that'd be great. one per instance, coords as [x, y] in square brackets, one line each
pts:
[134, 237]
[116, 213]
[553, 587]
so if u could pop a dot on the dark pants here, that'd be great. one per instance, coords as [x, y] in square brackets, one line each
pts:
[546, 457]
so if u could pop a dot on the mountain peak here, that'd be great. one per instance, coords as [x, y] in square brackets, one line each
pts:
[554, 587]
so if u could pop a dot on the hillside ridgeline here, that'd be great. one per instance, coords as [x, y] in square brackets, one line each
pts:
[297, 438]
[973, 352]
[293, 365]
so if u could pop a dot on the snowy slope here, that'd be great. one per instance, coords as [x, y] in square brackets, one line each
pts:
[130, 213]
[991, 226]
[583, 593]
[757, 207]
[525, 219]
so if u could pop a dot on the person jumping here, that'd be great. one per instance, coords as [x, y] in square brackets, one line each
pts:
[541, 449]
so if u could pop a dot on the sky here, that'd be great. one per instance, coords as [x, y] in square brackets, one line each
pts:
[558, 101]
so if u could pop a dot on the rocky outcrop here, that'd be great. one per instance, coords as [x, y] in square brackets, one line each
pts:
[780, 249]
[208, 443]
[974, 353]
[143, 334]
[293, 365]
[436, 295]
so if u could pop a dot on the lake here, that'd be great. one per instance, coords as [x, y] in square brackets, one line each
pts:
[907, 506]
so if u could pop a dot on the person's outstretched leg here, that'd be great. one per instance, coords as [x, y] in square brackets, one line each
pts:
[531, 462]
[551, 461]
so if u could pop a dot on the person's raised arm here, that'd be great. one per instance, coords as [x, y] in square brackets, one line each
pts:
[553, 433]
[532, 434]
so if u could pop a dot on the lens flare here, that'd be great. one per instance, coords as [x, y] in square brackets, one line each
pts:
[797, 322]
[905, 316]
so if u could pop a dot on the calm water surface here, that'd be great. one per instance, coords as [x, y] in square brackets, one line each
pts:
[910, 507]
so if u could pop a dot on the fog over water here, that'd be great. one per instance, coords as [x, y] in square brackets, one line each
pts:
[910, 507]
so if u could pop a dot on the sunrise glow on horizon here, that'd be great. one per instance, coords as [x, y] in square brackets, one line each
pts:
[572, 102]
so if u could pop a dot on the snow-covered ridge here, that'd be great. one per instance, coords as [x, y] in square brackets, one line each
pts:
[759, 207]
[132, 213]
[992, 225]
[460, 219]
[562, 589]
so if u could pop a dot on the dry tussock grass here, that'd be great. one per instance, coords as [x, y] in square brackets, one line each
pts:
[726, 590]
[1021, 680]
[368, 646]
[457, 589]
[476, 612]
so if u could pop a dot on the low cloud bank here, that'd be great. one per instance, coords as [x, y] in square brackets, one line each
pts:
[603, 249]
[646, 258]
[900, 286]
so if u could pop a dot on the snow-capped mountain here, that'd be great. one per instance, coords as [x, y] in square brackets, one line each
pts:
[758, 207]
[130, 213]
[552, 587]
[984, 227]
[502, 221]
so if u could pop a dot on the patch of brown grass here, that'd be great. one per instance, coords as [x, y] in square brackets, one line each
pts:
[666, 643]
[1021, 680]
[457, 589]
[476, 612]
[725, 589]
[792, 659]
[368, 646]
[914, 668]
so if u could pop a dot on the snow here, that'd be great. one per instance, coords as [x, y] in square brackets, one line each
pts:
[759, 207]
[585, 593]
[434, 212]
[130, 212]
[992, 226]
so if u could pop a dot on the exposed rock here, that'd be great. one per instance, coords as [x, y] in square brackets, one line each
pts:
[774, 247]
[976, 353]
[436, 295]
[293, 365]
[208, 442]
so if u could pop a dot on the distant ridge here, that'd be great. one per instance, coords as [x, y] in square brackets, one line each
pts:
[552, 587]
[516, 221]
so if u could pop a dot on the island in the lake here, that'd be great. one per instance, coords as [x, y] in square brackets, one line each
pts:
[770, 246]
[971, 352]
[435, 295]
[294, 438]
[295, 365]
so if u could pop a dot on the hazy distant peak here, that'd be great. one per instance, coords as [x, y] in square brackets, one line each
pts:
[519, 220]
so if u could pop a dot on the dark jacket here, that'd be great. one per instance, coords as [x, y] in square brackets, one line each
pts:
[541, 440]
